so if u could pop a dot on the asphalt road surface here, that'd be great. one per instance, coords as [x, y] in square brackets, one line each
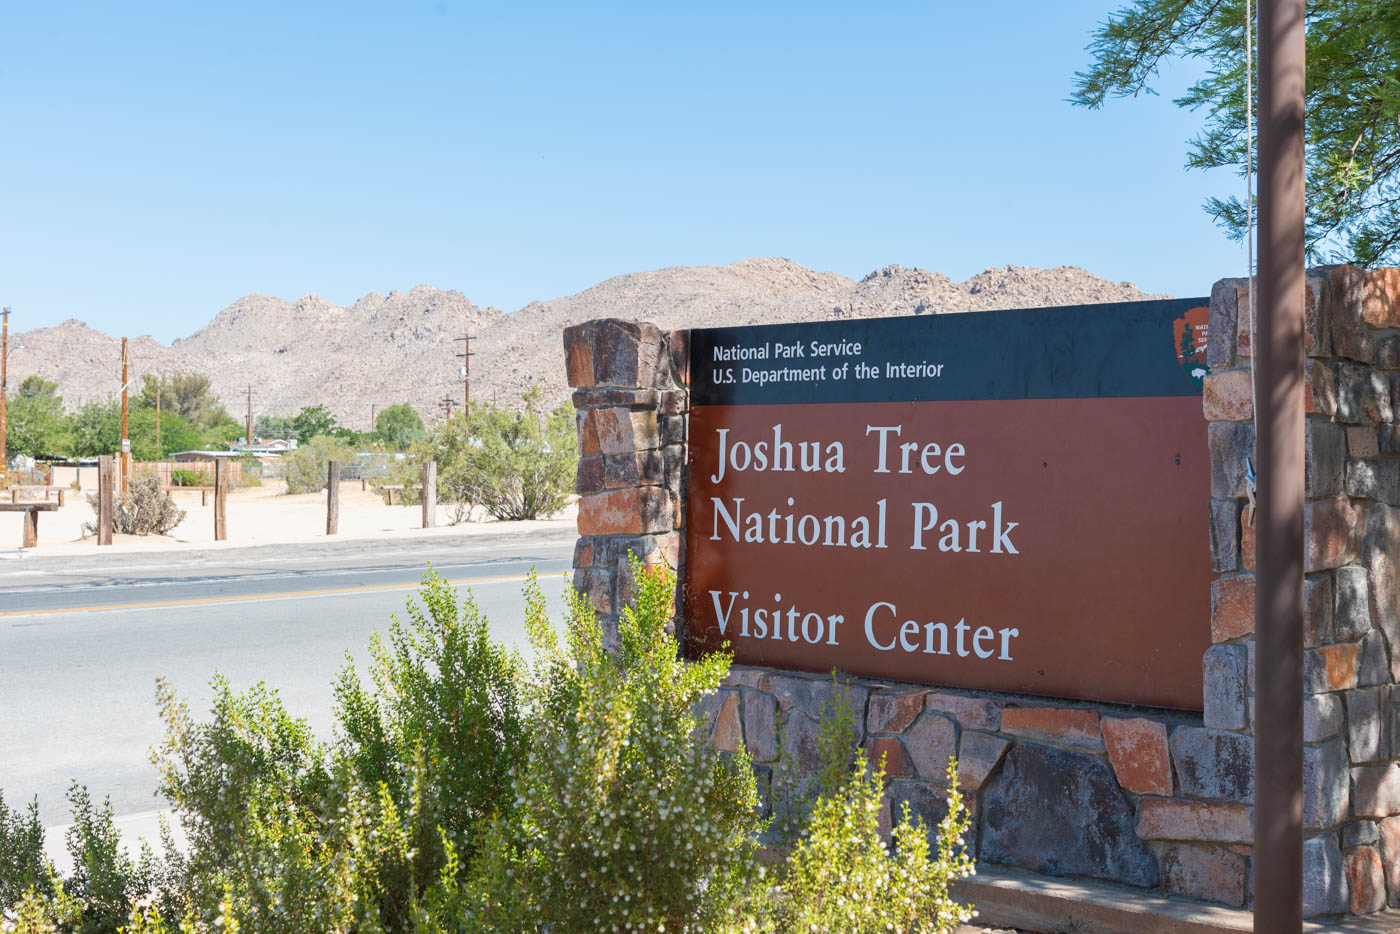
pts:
[82, 641]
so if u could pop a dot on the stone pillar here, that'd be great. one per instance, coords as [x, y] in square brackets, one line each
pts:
[1351, 589]
[629, 390]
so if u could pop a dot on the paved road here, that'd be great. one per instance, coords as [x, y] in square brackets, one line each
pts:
[83, 640]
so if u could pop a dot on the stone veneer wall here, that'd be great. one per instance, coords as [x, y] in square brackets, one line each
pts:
[1351, 590]
[1148, 797]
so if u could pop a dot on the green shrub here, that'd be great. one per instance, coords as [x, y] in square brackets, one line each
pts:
[22, 862]
[105, 881]
[627, 818]
[306, 466]
[251, 472]
[406, 473]
[256, 797]
[468, 792]
[438, 733]
[515, 464]
[793, 793]
[182, 477]
[842, 876]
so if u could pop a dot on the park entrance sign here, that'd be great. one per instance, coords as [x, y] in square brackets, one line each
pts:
[1007, 500]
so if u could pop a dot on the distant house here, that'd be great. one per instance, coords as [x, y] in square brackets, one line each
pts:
[209, 457]
[272, 446]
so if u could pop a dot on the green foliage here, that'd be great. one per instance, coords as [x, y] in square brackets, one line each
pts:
[96, 429]
[35, 386]
[256, 797]
[251, 472]
[97, 897]
[1352, 99]
[187, 395]
[517, 464]
[306, 466]
[399, 426]
[274, 426]
[627, 820]
[35, 419]
[468, 792]
[445, 702]
[176, 434]
[311, 422]
[105, 881]
[843, 877]
[794, 793]
[36, 425]
[180, 477]
[22, 862]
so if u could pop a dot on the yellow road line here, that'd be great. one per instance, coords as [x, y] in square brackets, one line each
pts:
[194, 601]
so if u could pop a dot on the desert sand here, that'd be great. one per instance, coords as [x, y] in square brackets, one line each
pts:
[258, 516]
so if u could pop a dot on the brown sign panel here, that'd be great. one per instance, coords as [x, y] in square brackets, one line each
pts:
[1033, 522]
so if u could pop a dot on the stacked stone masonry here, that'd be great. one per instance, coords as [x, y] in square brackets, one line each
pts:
[1147, 797]
[631, 436]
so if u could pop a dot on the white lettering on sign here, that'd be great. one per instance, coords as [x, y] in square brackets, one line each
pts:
[736, 617]
[778, 456]
[790, 623]
[947, 529]
[934, 638]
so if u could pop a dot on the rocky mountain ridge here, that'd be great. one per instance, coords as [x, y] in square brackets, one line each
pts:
[401, 346]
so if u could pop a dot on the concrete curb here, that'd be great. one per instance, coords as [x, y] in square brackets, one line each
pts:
[1031, 902]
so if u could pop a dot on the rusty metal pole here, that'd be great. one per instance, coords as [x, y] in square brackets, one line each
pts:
[1278, 606]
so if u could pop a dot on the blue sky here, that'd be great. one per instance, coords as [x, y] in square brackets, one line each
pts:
[160, 160]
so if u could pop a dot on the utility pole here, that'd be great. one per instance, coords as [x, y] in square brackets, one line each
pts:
[4, 385]
[159, 446]
[1278, 404]
[250, 414]
[446, 406]
[371, 418]
[126, 441]
[466, 356]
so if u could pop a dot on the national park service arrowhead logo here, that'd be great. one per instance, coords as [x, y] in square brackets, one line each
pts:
[1189, 332]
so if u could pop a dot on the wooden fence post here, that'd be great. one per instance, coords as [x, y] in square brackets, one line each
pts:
[104, 499]
[429, 494]
[221, 499]
[332, 497]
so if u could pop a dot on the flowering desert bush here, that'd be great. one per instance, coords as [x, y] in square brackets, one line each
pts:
[469, 791]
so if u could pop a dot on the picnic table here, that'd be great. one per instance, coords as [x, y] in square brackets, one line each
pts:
[31, 511]
[16, 490]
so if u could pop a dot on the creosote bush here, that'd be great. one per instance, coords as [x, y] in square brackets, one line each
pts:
[305, 468]
[514, 464]
[145, 509]
[468, 791]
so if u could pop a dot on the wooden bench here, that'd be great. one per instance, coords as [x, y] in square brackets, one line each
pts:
[46, 490]
[391, 487]
[31, 519]
[204, 491]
